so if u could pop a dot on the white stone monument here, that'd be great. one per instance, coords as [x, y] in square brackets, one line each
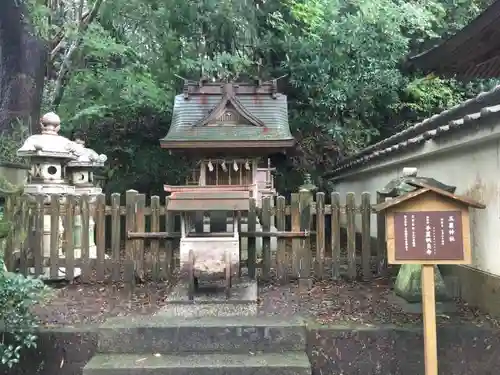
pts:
[48, 153]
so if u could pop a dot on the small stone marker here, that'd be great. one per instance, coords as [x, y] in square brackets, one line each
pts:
[428, 226]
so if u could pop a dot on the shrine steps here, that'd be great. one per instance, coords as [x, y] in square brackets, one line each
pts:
[168, 334]
[204, 345]
[200, 364]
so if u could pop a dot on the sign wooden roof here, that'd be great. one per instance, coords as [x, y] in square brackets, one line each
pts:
[423, 189]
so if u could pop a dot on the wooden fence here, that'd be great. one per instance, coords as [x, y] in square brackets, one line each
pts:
[139, 241]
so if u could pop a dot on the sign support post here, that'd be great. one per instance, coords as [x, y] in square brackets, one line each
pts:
[429, 317]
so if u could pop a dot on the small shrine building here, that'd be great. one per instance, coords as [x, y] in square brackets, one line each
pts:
[230, 129]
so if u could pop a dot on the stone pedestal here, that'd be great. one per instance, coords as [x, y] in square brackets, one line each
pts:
[47, 229]
[408, 290]
[77, 237]
[243, 240]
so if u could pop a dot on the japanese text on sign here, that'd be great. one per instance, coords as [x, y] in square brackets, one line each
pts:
[428, 235]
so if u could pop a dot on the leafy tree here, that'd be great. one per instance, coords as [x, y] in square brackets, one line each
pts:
[339, 63]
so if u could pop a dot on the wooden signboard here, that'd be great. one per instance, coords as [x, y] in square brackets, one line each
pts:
[428, 226]
[430, 236]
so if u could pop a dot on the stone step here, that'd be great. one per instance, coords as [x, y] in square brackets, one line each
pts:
[293, 363]
[173, 334]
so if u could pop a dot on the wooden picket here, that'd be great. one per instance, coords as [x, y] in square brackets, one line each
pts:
[304, 250]
[116, 235]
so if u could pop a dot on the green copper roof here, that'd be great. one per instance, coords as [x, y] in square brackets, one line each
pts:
[270, 119]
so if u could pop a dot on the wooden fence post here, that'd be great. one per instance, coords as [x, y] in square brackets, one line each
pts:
[85, 237]
[155, 244]
[9, 219]
[335, 198]
[115, 235]
[131, 197]
[381, 244]
[305, 200]
[266, 241]
[240, 249]
[295, 213]
[251, 241]
[27, 233]
[69, 244]
[320, 235]
[140, 226]
[38, 245]
[169, 263]
[100, 240]
[281, 253]
[366, 254]
[350, 210]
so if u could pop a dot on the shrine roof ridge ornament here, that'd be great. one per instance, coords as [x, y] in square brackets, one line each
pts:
[229, 97]
[204, 87]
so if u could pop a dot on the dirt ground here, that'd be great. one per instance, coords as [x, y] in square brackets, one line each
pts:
[328, 302]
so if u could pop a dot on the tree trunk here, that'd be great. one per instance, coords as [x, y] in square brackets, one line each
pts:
[22, 67]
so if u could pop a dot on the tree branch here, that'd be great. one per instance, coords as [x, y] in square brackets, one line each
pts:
[59, 40]
[64, 70]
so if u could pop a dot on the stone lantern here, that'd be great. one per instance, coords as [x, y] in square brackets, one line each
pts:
[81, 175]
[48, 154]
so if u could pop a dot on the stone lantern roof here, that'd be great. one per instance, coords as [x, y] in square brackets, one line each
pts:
[86, 157]
[49, 143]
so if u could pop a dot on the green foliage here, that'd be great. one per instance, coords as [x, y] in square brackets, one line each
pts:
[18, 324]
[431, 93]
[17, 292]
[11, 140]
[17, 295]
[39, 16]
[341, 59]
[344, 85]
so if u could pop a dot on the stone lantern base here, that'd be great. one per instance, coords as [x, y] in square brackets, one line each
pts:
[47, 230]
[61, 274]
[77, 238]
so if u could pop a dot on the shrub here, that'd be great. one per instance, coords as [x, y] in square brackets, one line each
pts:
[17, 295]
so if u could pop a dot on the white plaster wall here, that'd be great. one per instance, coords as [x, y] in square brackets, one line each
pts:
[469, 160]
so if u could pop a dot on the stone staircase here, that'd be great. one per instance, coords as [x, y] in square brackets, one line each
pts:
[206, 345]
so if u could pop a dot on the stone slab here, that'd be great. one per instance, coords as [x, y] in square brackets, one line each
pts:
[445, 307]
[292, 363]
[210, 310]
[242, 291]
[172, 334]
[213, 303]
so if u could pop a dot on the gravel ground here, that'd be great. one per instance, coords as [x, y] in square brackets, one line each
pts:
[326, 303]
[356, 303]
